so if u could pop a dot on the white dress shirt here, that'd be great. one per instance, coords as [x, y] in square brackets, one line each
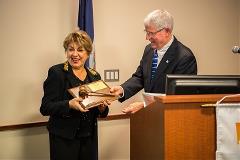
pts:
[163, 50]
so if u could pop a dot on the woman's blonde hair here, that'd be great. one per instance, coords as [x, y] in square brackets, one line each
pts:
[81, 38]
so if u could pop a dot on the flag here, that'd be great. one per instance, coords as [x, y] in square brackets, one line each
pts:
[228, 119]
[85, 23]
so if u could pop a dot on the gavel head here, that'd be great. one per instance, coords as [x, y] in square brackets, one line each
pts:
[83, 93]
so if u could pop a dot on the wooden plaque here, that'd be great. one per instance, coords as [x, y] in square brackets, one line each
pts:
[96, 93]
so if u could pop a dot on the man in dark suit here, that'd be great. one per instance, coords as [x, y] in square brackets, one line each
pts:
[164, 55]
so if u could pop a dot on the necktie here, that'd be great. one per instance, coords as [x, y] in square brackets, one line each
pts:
[154, 63]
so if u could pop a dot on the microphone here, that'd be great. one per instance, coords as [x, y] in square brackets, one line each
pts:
[236, 49]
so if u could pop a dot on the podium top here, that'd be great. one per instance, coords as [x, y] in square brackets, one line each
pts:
[201, 98]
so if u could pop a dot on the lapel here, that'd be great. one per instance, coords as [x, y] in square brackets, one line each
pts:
[73, 81]
[165, 62]
[92, 75]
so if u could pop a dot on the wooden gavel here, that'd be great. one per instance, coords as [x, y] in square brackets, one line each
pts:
[83, 93]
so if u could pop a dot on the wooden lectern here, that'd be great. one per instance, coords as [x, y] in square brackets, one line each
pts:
[175, 127]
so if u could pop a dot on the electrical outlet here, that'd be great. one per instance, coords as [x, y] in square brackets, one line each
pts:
[111, 75]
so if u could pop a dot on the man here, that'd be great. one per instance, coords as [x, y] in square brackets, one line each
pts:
[164, 55]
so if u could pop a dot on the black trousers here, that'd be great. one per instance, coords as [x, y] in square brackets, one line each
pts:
[84, 148]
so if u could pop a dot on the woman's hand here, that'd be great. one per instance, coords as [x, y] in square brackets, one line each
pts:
[103, 106]
[75, 104]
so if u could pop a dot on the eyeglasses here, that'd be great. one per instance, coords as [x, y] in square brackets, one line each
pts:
[152, 34]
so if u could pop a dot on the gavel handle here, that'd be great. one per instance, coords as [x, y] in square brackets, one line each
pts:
[100, 94]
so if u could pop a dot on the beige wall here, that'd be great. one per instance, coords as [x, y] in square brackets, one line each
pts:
[31, 38]
[25, 144]
[239, 32]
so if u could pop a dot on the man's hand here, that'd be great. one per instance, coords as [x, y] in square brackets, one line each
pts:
[133, 107]
[75, 104]
[116, 90]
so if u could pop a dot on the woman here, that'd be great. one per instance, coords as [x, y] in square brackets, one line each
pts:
[72, 129]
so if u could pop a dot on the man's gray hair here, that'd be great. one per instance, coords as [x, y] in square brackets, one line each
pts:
[160, 19]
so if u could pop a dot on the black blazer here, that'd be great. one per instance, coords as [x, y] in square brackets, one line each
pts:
[64, 121]
[177, 60]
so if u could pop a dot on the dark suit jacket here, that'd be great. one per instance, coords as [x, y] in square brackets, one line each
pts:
[63, 121]
[177, 60]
